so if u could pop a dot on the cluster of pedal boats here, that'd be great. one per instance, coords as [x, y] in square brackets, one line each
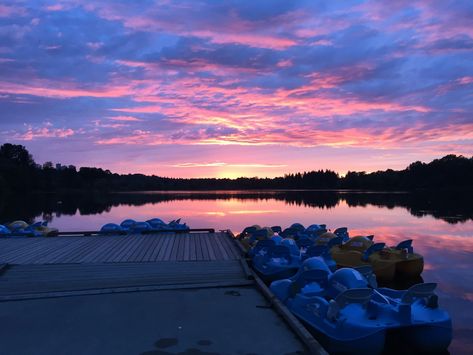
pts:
[297, 243]
[23, 229]
[41, 229]
[330, 282]
[149, 226]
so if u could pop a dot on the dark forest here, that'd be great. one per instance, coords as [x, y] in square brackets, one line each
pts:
[20, 173]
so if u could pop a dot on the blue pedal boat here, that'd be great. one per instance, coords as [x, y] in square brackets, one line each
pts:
[4, 231]
[273, 262]
[112, 228]
[352, 317]
[127, 224]
[323, 251]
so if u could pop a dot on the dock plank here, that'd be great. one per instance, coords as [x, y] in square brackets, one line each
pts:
[21, 246]
[209, 248]
[192, 252]
[91, 246]
[41, 250]
[36, 279]
[203, 247]
[137, 247]
[117, 254]
[6, 246]
[56, 252]
[114, 252]
[70, 251]
[103, 252]
[215, 248]
[181, 247]
[147, 244]
[175, 246]
[230, 246]
[218, 242]
[99, 248]
[166, 248]
[149, 252]
[198, 247]
[187, 242]
[160, 248]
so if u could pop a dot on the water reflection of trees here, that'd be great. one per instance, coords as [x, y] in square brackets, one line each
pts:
[451, 207]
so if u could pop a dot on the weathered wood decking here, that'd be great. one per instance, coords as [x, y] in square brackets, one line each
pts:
[134, 248]
[102, 277]
[40, 281]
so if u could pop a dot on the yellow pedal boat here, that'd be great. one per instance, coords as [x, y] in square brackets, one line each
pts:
[386, 262]
[408, 263]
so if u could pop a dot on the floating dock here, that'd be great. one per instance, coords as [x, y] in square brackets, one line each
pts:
[166, 293]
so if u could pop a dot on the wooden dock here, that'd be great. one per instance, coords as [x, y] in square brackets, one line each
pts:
[42, 278]
[133, 248]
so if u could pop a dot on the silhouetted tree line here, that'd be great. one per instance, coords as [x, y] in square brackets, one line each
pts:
[20, 173]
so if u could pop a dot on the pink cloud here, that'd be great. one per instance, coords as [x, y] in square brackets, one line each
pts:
[249, 39]
[137, 137]
[10, 10]
[55, 7]
[47, 88]
[43, 132]
[124, 118]
[322, 42]
[222, 164]
[284, 63]
[94, 45]
[465, 80]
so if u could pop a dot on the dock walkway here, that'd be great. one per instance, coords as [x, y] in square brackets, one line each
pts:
[133, 248]
[186, 293]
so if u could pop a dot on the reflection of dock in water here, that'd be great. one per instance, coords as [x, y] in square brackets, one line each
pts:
[129, 294]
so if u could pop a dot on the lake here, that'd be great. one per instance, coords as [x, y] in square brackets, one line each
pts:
[441, 225]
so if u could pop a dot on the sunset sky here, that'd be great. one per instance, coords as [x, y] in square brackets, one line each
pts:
[237, 88]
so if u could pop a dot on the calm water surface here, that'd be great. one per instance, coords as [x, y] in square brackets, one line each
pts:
[442, 229]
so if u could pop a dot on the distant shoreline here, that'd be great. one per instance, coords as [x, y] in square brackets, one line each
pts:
[240, 191]
[20, 173]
